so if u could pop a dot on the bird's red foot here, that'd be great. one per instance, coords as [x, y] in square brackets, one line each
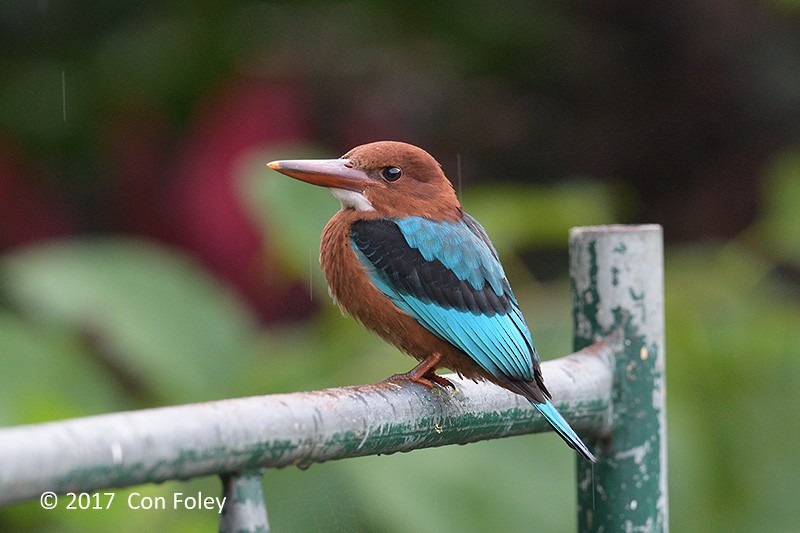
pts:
[439, 380]
[429, 379]
[424, 374]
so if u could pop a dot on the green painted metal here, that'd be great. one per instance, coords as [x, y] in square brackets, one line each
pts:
[617, 287]
[302, 428]
[245, 510]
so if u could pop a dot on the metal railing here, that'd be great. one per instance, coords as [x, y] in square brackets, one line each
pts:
[611, 390]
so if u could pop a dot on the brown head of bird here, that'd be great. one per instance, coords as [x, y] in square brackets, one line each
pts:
[393, 178]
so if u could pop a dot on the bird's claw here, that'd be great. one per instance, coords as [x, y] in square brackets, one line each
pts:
[441, 381]
[429, 379]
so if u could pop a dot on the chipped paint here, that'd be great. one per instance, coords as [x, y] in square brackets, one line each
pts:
[244, 509]
[617, 282]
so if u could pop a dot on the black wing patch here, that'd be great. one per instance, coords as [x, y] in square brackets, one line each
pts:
[382, 243]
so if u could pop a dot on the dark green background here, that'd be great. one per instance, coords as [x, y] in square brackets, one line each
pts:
[149, 258]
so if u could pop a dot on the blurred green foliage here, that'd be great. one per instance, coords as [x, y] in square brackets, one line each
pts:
[147, 313]
[580, 114]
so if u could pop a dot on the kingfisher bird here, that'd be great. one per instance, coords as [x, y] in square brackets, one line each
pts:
[405, 260]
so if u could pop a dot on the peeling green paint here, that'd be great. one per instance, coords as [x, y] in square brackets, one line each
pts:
[617, 285]
[244, 510]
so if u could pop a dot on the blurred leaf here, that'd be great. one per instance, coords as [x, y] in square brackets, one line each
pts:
[517, 484]
[733, 364]
[48, 375]
[321, 498]
[291, 213]
[518, 215]
[150, 311]
[521, 483]
[777, 229]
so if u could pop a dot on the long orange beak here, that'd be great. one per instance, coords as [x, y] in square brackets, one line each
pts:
[334, 173]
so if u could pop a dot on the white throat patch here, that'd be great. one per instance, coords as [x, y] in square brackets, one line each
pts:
[352, 199]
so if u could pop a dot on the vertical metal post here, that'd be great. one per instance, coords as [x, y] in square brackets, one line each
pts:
[618, 285]
[245, 510]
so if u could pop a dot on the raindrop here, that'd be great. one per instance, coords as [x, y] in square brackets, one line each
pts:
[64, 95]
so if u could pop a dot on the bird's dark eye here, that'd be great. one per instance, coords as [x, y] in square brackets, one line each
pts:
[391, 173]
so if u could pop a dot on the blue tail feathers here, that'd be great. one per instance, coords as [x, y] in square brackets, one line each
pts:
[561, 426]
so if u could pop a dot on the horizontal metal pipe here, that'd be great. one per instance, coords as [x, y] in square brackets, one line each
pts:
[154, 445]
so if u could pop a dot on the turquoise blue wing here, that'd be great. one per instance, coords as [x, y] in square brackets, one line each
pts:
[448, 277]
